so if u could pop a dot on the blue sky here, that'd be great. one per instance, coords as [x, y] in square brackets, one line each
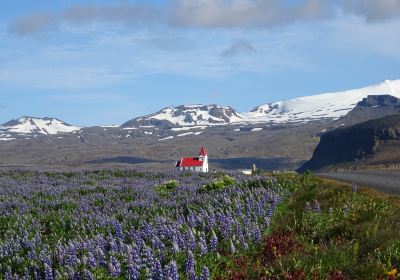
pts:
[105, 62]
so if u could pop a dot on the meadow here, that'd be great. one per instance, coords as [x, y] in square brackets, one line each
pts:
[124, 224]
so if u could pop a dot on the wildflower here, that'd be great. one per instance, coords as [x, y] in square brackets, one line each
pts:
[133, 272]
[88, 275]
[114, 267]
[213, 241]
[48, 272]
[156, 270]
[392, 273]
[354, 188]
[172, 271]
[91, 260]
[205, 274]
[317, 206]
[256, 233]
[189, 265]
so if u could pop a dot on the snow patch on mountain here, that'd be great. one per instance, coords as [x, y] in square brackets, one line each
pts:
[319, 107]
[45, 126]
[189, 115]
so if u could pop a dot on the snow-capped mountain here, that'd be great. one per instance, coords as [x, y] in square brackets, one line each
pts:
[326, 106]
[189, 115]
[174, 120]
[319, 107]
[36, 126]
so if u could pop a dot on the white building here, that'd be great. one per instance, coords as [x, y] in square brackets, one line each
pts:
[198, 164]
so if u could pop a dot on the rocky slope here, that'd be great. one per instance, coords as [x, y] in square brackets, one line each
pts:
[371, 107]
[369, 143]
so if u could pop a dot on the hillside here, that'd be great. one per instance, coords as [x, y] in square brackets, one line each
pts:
[371, 107]
[372, 142]
[274, 136]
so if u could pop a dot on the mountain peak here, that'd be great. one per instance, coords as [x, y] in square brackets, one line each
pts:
[188, 115]
[31, 125]
[322, 106]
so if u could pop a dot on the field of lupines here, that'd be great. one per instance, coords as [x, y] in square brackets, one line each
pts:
[130, 225]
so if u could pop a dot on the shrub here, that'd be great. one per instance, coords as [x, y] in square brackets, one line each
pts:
[219, 184]
[167, 187]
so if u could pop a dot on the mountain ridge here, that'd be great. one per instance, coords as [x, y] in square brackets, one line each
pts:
[298, 111]
[33, 125]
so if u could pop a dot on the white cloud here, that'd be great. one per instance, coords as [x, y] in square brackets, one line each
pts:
[352, 34]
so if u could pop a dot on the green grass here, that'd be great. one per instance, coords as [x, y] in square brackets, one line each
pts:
[354, 236]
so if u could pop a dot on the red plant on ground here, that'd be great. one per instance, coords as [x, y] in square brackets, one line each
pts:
[279, 244]
[336, 275]
[295, 275]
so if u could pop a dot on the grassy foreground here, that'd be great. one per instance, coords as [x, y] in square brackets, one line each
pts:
[326, 230]
[115, 224]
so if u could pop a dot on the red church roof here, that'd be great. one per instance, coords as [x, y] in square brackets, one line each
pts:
[189, 162]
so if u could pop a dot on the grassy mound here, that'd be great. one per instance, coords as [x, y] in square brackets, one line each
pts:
[327, 230]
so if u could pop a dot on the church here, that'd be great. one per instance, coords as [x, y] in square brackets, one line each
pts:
[197, 164]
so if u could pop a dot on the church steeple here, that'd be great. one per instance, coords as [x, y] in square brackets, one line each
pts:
[203, 152]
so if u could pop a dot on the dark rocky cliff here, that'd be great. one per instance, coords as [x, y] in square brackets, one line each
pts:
[373, 142]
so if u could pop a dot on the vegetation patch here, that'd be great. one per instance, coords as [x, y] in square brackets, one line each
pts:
[219, 184]
[132, 225]
[167, 187]
[327, 230]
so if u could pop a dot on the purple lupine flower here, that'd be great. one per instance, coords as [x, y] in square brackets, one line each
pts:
[72, 260]
[112, 245]
[91, 261]
[317, 206]
[354, 188]
[189, 265]
[100, 256]
[133, 272]
[147, 256]
[256, 233]
[192, 275]
[134, 256]
[175, 247]
[171, 271]
[203, 244]
[88, 275]
[156, 270]
[48, 273]
[192, 244]
[114, 267]
[8, 275]
[213, 241]
[118, 230]
[205, 274]
[26, 274]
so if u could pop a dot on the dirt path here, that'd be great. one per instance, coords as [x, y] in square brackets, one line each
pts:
[384, 180]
